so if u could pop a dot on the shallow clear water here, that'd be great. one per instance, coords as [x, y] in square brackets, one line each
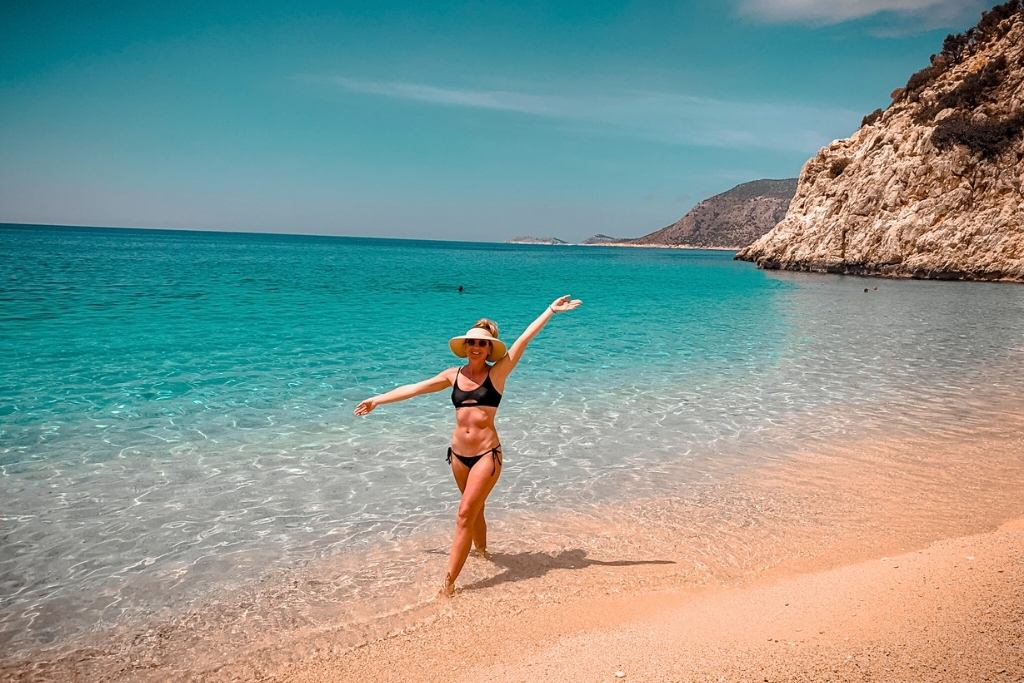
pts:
[176, 407]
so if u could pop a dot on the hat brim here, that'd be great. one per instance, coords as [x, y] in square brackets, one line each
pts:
[458, 347]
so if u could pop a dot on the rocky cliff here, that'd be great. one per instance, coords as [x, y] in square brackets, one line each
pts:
[931, 187]
[731, 219]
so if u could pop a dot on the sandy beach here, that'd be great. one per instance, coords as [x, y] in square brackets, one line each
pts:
[933, 591]
[952, 611]
[897, 561]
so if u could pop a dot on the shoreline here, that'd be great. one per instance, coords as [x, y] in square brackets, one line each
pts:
[577, 588]
[930, 588]
[947, 612]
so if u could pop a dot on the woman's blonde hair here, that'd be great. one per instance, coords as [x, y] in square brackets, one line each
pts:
[489, 325]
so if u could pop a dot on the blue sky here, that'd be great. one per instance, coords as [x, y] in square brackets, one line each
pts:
[448, 120]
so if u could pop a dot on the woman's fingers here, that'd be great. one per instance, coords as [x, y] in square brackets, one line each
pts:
[564, 304]
[560, 302]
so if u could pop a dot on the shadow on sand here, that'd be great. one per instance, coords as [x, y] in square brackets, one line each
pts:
[531, 565]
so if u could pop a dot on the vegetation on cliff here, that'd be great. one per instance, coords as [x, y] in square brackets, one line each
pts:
[983, 136]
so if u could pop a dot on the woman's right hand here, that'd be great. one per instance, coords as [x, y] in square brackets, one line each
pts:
[563, 304]
[365, 407]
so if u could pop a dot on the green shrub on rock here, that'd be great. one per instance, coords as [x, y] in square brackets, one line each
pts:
[985, 138]
[872, 117]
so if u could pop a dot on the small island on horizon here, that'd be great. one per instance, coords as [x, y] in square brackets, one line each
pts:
[529, 239]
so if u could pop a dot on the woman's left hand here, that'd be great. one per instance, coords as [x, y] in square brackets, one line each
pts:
[563, 304]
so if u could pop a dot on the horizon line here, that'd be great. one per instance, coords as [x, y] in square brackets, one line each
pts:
[227, 231]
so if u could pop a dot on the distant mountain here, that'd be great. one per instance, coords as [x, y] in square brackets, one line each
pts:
[528, 239]
[732, 219]
[605, 239]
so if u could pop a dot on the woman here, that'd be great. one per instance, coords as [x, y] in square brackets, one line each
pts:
[475, 453]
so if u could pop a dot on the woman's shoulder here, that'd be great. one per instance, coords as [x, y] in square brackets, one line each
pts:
[500, 365]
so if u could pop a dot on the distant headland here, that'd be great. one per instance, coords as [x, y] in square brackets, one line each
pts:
[728, 221]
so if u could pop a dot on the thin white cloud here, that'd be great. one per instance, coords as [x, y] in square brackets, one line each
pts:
[502, 100]
[657, 116]
[933, 13]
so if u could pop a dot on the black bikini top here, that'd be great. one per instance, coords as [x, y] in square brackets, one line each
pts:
[483, 395]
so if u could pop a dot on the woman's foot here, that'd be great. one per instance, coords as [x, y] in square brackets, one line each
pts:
[448, 587]
[482, 552]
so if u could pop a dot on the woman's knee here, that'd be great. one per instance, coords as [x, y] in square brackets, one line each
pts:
[466, 517]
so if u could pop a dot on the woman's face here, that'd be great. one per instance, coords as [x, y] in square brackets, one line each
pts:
[478, 348]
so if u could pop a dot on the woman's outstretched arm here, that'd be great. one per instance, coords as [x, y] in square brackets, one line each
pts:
[515, 352]
[405, 391]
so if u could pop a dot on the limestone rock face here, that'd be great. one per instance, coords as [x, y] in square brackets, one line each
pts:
[933, 187]
[731, 219]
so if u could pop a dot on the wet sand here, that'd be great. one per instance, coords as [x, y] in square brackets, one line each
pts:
[953, 611]
[893, 560]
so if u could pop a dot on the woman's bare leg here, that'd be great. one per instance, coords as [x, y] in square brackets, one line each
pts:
[480, 532]
[461, 474]
[479, 482]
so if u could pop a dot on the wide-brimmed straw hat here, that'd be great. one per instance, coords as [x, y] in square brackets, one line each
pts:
[458, 344]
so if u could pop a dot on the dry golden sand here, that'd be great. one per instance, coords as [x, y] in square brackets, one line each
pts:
[953, 611]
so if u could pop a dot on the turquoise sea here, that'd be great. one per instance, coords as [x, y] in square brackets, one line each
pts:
[176, 407]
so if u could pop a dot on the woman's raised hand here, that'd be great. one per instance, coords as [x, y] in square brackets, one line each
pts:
[563, 304]
[365, 407]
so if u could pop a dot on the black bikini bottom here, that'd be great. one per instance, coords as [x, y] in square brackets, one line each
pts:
[470, 460]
